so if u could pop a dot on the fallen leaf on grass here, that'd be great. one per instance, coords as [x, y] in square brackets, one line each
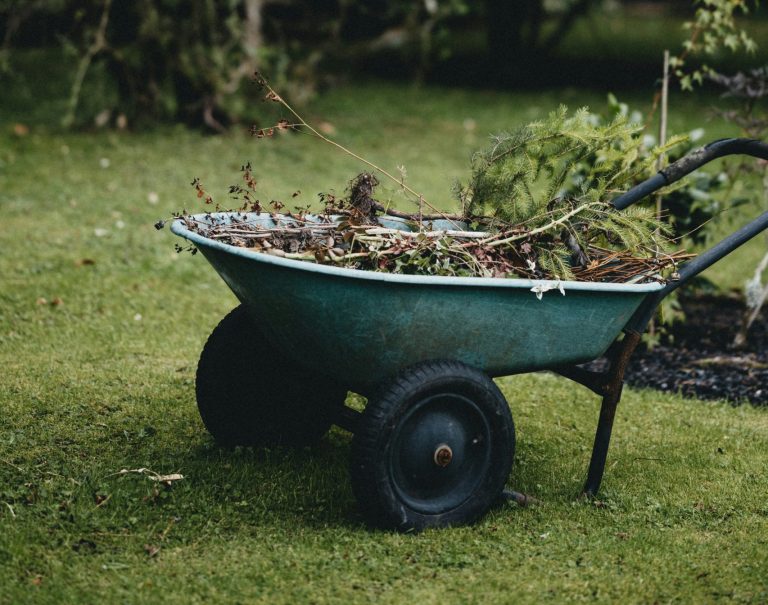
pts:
[151, 550]
[167, 478]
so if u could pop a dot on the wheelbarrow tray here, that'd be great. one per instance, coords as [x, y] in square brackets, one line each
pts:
[362, 326]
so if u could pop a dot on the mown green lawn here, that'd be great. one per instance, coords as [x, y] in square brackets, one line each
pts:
[101, 323]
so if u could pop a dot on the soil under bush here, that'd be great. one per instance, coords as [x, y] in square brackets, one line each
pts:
[696, 357]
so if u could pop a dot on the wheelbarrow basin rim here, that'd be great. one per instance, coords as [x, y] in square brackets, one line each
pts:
[179, 228]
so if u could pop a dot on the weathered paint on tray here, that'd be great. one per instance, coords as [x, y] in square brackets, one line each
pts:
[361, 327]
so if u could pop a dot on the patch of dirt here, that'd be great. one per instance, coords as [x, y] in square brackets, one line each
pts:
[696, 357]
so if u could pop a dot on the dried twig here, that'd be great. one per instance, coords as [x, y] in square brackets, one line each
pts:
[463, 253]
[303, 126]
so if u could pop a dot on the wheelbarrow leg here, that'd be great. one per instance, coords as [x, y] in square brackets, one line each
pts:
[611, 388]
[602, 441]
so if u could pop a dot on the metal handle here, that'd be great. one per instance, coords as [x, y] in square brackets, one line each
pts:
[689, 163]
[675, 172]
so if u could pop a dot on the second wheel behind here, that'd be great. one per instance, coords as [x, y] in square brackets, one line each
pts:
[248, 393]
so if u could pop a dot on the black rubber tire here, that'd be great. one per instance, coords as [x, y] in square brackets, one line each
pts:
[396, 477]
[249, 394]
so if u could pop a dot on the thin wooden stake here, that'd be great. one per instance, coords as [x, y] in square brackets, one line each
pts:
[663, 126]
[662, 157]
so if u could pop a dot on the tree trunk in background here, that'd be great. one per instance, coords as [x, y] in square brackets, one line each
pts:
[516, 47]
[512, 34]
[253, 39]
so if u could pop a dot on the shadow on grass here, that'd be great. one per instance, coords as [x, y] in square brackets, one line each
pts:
[301, 487]
[297, 488]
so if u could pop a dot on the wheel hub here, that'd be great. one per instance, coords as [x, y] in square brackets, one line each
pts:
[443, 455]
[440, 453]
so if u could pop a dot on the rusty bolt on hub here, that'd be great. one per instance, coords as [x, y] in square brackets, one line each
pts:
[443, 455]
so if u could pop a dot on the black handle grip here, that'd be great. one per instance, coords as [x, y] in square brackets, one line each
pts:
[672, 173]
[689, 163]
[716, 149]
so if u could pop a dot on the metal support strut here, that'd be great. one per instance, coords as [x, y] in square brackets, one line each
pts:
[609, 384]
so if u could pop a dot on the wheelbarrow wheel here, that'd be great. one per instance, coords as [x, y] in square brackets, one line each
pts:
[249, 394]
[433, 448]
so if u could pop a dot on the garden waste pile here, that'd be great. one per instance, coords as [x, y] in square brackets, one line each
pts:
[537, 206]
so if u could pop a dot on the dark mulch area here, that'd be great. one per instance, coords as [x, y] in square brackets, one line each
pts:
[697, 360]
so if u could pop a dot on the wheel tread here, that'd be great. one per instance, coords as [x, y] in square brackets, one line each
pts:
[372, 489]
[239, 407]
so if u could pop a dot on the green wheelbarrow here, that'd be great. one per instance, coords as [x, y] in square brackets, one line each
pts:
[435, 443]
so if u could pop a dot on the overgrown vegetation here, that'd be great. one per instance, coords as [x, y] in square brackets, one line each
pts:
[749, 92]
[713, 31]
[189, 61]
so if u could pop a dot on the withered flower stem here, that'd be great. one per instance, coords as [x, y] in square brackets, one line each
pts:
[420, 200]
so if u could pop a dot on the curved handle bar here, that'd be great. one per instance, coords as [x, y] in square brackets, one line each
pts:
[716, 149]
[689, 163]
[674, 172]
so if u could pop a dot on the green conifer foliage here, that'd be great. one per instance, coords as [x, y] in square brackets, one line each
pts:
[555, 179]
